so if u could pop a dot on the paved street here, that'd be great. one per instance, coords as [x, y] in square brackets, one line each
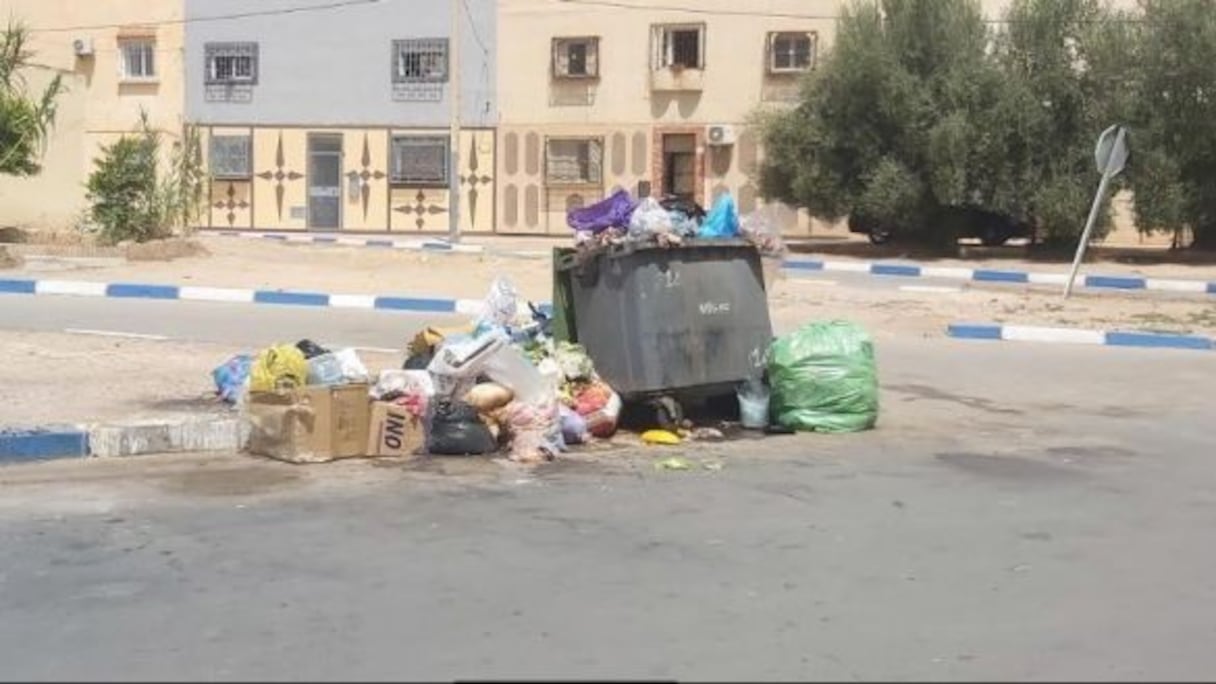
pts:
[1022, 512]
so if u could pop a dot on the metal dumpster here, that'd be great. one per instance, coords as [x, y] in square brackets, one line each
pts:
[667, 324]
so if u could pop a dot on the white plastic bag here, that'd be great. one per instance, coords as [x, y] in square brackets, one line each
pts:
[650, 219]
[502, 304]
[351, 366]
[762, 229]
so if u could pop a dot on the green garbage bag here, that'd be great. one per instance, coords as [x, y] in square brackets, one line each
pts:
[824, 379]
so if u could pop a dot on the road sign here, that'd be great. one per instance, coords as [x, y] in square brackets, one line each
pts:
[1111, 153]
[1111, 157]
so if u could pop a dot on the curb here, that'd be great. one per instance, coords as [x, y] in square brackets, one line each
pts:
[982, 275]
[80, 288]
[46, 443]
[1026, 333]
[324, 239]
[111, 440]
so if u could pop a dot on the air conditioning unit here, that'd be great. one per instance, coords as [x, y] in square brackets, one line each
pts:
[83, 47]
[721, 135]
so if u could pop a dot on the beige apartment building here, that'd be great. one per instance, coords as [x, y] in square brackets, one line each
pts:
[599, 95]
[117, 58]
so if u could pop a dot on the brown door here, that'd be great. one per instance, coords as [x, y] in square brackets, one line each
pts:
[680, 165]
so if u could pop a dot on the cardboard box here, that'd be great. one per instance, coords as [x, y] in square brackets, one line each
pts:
[394, 431]
[311, 424]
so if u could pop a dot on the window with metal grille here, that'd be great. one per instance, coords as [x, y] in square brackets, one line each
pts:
[576, 57]
[420, 60]
[791, 52]
[230, 157]
[574, 161]
[681, 47]
[420, 160]
[138, 59]
[232, 63]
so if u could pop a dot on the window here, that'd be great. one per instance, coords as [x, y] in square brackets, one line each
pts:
[574, 161]
[230, 157]
[420, 160]
[232, 63]
[791, 52]
[420, 60]
[680, 47]
[576, 57]
[138, 59]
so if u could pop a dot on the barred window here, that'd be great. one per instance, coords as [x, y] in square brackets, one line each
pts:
[420, 160]
[420, 60]
[232, 63]
[230, 157]
[577, 161]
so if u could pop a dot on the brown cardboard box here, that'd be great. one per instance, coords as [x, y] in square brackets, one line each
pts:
[310, 424]
[394, 431]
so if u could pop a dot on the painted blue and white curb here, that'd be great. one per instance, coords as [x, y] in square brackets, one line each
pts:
[985, 275]
[1027, 333]
[40, 444]
[351, 241]
[79, 288]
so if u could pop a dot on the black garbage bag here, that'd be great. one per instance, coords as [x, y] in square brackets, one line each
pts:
[457, 430]
[419, 361]
[311, 349]
[685, 206]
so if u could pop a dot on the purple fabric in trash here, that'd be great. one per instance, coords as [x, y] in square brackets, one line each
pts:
[613, 212]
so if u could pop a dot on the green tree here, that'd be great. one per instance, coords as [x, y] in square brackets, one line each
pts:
[132, 198]
[25, 119]
[923, 119]
[1173, 110]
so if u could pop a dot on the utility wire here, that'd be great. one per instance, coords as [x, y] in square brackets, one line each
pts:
[476, 32]
[339, 4]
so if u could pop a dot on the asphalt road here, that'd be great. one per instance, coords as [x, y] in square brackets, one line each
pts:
[1023, 512]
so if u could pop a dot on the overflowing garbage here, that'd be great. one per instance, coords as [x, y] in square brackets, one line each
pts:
[511, 385]
[670, 221]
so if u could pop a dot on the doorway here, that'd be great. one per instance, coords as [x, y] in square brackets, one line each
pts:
[324, 181]
[680, 165]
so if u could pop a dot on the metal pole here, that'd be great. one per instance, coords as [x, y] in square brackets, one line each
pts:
[1089, 228]
[454, 81]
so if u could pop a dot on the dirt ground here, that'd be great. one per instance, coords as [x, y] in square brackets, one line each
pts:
[59, 377]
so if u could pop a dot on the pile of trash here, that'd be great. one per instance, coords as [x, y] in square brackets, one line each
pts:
[501, 385]
[670, 221]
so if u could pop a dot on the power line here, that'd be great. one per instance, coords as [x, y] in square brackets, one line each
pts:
[476, 32]
[339, 4]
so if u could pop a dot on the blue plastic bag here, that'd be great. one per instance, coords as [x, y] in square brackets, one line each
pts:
[230, 378]
[613, 212]
[722, 220]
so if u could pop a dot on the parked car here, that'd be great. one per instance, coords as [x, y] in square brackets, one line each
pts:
[992, 229]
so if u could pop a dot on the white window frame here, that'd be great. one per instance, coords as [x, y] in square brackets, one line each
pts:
[225, 174]
[233, 51]
[561, 57]
[146, 58]
[397, 177]
[663, 46]
[810, 36]
[422, 46]
[592, 173]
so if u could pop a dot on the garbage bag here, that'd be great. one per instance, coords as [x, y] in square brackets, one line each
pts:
[762, 229]
[456, 429]
[279, 367]
[310, 349]
[649, 219]
[325, 369]
[230, 378]
[351, 366]
[683, 205]
[824, 378]
[574, 426]
[613, 212]
[722, 221]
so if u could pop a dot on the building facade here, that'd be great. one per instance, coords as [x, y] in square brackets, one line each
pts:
[117, 58]
[652, 100]
[339, 119]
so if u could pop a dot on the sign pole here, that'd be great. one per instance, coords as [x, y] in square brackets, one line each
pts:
[454, 126]
[1110, 157]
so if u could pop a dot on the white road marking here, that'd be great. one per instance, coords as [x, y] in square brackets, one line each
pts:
[1024, 333]
[1177, 285]
[114, 333]
[951, 272]
[1052, 278]
[805, 280]
[847, 266]
[341, 301]
[70, 287]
